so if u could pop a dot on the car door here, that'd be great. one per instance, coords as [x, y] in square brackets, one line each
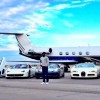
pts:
[98, 70]
[31, 71]
[61, 70]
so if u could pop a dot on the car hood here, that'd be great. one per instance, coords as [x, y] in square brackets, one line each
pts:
[17, 70]
[49, 69]
[84, 69]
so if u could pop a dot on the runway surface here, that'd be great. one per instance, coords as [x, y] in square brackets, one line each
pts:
[57, 89]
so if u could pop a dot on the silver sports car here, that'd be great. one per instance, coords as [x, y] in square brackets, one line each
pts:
[54, 70]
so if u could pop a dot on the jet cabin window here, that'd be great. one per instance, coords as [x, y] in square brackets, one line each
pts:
[60, 53]
[80, 53]
[67, 53]
[73, 53]
[87, 53]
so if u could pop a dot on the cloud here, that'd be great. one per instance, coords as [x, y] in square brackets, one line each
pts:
[8, 42]
[66, 40]
[8, 26]
[82, 36]
[61, 6]
[14, 18]
[65, 6]
[68, 24]
[41, 20]
[15, 10]
[74, 2]
[90, 0]
[57, 40]
[12, 47]
[5, 2]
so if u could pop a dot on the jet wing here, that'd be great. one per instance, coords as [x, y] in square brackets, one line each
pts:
[34, 61]
[94, 59]
[63, 61]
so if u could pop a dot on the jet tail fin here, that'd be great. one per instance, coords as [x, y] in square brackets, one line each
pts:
[25, 46]
[23, 41]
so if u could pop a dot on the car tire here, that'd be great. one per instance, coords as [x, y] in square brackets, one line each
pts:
[3, 71]
[63, 75]
[37, 77]
[58, 76]
[65, 69]
[97, 77]
[29, 74]
[7, 77]
[72, 77]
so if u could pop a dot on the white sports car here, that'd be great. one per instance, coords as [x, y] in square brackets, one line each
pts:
[85, 70]
[20, 70]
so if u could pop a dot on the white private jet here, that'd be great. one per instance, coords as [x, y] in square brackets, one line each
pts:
[65, 55]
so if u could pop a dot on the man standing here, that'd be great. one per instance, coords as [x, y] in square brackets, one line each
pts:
[44, 62]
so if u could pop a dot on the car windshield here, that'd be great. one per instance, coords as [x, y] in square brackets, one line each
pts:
[53, 66]
[85, 66]
[20, 66]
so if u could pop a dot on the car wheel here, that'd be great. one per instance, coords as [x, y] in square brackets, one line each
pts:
[29, 74]
[3, 71]
[7, 77]
[63, 75]
[72, 77]
[37, 77]
[58, 76]
[97, 77]
[65, 69]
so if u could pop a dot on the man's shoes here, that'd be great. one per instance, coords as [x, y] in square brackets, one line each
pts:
[43, 83]
[47, 83]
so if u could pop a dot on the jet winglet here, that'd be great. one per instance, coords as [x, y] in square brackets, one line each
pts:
[6, 33]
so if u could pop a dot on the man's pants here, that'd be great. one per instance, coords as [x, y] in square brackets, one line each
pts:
[45, 73]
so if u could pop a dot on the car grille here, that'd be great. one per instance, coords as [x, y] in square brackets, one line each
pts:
[75, 74]
[83, 74]
[91, 74]
[14, 74]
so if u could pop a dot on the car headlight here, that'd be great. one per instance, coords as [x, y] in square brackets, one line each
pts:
[74, 71]
[93, 71]
[8, 71]
[56, 70]
[23, 71]
[36, 70]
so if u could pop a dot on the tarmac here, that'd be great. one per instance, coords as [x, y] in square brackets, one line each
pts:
[57, 89]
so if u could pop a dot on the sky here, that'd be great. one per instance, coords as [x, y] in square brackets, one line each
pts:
[50, 23]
